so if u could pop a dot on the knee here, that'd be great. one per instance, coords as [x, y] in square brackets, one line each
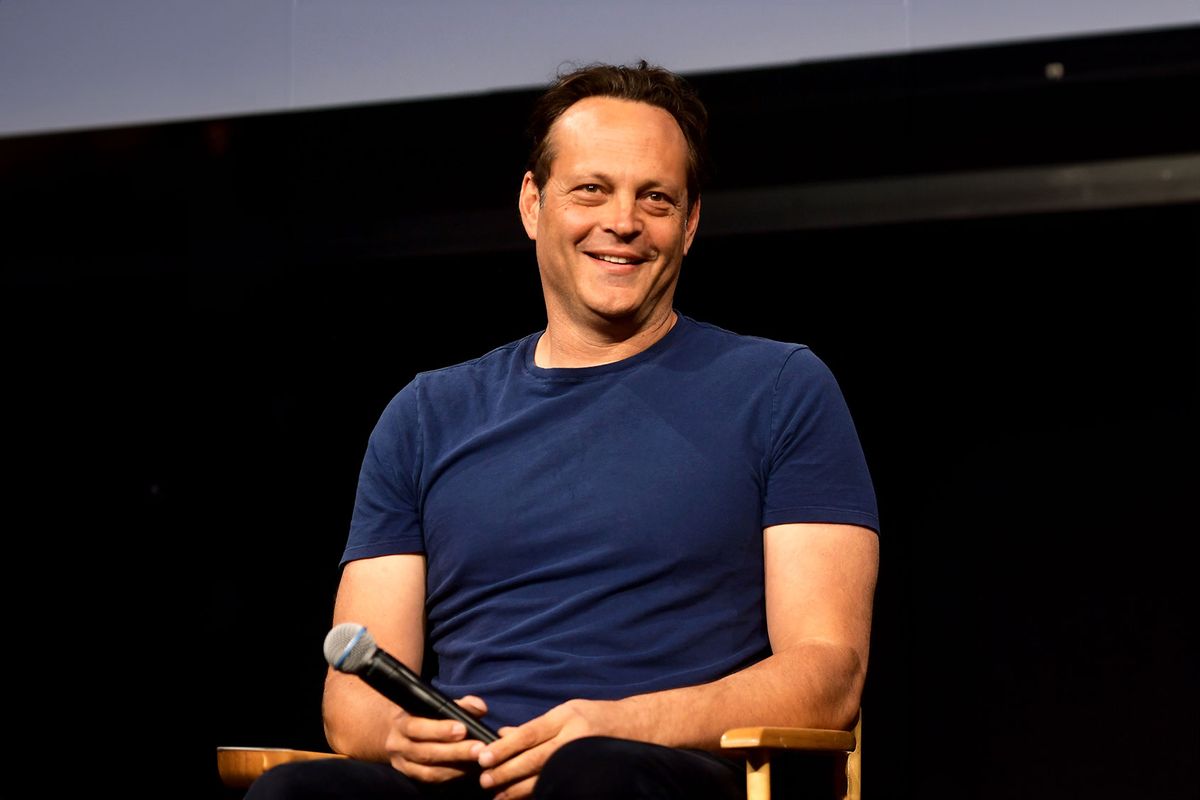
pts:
[328, 779]
[284, 782]
[592, 767]
[604, 767]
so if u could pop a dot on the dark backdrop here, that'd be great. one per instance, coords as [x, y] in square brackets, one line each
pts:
[205, 318]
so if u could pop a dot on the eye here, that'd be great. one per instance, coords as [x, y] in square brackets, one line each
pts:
[590, 188]
[658, 203]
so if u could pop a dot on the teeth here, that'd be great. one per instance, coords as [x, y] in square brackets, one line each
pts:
[615, 259]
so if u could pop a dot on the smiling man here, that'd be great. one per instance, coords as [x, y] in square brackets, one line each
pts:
[612, 221]
[619, 536]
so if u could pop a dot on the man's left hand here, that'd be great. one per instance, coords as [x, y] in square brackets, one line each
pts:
[512, 763]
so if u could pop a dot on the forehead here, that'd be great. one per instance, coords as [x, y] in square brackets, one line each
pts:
[605, 131]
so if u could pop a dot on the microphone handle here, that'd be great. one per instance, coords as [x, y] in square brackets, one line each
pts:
[405, 688]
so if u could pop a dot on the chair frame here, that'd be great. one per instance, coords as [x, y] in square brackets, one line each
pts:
[758, 745]
[241, 766]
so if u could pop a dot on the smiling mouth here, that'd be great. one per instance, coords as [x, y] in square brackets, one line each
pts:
[617, 259]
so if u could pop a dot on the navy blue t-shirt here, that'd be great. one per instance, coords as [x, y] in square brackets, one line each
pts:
[597, 532]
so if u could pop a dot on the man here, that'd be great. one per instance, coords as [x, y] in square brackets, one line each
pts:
[620, 536]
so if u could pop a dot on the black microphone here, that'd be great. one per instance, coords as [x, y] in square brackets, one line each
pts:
[350, 648]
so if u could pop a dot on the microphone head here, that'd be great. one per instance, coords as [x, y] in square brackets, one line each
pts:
[348, 647]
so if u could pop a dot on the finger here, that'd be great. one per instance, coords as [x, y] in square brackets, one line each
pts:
[473, 704]
[426, 772]
[478, 748]
[423, 758]
[422, 729]
[521, 767]
[514, 741]
[453, 754]
[517, 791]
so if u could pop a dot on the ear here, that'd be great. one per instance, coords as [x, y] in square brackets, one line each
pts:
[693, 222]
[529, 204]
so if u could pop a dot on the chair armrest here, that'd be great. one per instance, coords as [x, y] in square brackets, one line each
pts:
[757, 745]
[240, 766]
[814, 739]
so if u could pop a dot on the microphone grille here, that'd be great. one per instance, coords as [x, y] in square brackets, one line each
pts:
[348, 647]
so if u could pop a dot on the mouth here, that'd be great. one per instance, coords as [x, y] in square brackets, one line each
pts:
[627, 260]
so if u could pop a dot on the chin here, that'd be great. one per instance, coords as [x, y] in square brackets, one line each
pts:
[615, 311]
[602, 302]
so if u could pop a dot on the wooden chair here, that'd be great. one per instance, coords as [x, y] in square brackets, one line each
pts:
[842, 750]
[240, 766]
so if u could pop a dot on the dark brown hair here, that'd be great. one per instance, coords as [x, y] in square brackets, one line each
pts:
[643, 83]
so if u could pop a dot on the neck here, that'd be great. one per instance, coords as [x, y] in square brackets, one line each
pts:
[570, 346]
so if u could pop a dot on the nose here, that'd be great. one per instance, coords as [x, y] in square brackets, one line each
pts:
[624, 219]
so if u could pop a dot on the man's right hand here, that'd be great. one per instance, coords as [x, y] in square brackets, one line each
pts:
[433, 750]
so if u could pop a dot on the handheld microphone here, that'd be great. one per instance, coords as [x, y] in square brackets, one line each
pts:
[350, 648]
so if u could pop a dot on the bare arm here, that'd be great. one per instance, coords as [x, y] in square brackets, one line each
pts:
[387, 594]
[820, 586]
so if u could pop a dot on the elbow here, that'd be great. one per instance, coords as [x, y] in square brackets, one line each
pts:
[849, 703]
[827, 682]
[328, 722]
[334, 720]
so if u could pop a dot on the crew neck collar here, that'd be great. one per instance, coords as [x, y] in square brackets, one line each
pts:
[529, 347]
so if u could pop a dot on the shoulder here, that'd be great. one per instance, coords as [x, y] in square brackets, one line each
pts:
[784, 371]
[459, 391]
[495, 365]
[752, 350]
[719, 336]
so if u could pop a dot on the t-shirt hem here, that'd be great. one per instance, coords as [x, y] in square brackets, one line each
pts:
[821, 514]
[392, 548]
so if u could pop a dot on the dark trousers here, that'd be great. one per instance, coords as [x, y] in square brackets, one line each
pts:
[596, 767]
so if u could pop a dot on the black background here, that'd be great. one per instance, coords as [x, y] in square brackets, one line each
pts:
[204, 319]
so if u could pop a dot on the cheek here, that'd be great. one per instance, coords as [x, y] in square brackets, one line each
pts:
[575, 221]
[670, 234]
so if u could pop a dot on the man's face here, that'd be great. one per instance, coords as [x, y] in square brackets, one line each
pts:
[612, 222]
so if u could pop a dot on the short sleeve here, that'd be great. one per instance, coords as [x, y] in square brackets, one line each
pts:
[386, 518]
[816, 470]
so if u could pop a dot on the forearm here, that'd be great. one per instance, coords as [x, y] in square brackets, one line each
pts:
[356, 718]
[813, 684]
